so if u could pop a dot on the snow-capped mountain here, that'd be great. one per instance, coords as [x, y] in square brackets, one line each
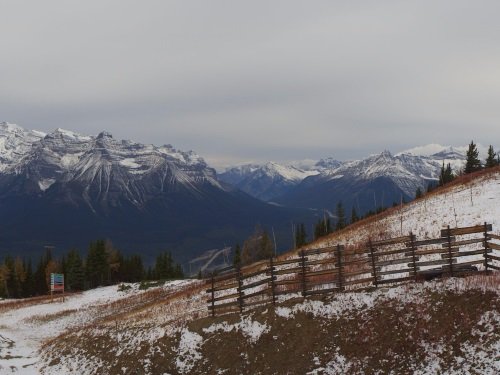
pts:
[408, 170]
[15, 144]
[265, 181]
[109, 169]
[376, 181]
[66, 188]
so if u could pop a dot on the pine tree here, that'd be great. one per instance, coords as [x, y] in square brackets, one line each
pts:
[446, 174]
[164, 268]
[179, 273]
[442, 175]
[322, 228]
[41, 281]
[266, 247]
[491, 160]
[4, 280]
[354, 215]
[300, 235]
[19, 277]
[237, 256]
[136, 269]
[472, 163]
[74, 271]
[114, 259]
[29, 283]
[256, 247]
[340, 216]
[318, 229]
[418, 193]
[303, 234]
[97, 267]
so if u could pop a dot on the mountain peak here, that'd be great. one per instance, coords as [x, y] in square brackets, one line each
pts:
[427, 150]
[104, 134]
[6, 126]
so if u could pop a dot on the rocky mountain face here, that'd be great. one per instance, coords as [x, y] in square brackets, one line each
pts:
[67, 189]
[378, 180]
[267, 181]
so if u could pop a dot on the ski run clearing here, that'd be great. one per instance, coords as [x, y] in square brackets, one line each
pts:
[451, 326]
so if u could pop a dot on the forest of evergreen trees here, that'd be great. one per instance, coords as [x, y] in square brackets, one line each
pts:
[324, 225]
[103, 265]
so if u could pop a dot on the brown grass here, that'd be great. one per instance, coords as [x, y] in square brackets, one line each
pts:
[41, 319]
[26, 302]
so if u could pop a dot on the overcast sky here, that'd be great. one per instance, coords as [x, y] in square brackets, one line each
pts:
[256, 80]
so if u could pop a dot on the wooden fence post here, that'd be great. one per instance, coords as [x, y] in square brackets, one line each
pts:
[273, 290]
[213, 295]
[413, 258]
[486, 246]
[240, 290]
[374, 268]
[339, 267]
[448, 233]
[303, 266]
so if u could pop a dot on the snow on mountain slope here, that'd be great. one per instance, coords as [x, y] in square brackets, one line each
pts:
[270, 169]
[434, 148]
[15, 144]
[101, 163]
[265, 181]
[466, 204]
[407, 170]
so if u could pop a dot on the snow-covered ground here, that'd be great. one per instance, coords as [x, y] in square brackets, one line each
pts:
[477, 354]
[460, 206]
[24, 329]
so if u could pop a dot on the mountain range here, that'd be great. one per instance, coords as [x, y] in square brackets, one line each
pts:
[366, 184]
[66, 189]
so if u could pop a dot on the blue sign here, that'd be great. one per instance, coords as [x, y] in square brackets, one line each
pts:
[57, 282]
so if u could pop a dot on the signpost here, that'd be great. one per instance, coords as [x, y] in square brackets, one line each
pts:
[57, 283]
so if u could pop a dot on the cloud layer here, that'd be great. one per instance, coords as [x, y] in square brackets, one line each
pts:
[256, 80]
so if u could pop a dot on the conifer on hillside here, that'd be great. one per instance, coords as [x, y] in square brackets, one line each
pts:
[446, 174]
[491, 159]
[354, 215]
[341, 223]
[300, 235]
[257, 247]
[472, 164]
[237, 256]
[418, 193]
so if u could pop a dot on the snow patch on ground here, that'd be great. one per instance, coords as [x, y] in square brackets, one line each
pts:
[24, 329]
[251, 329]
[188, 353]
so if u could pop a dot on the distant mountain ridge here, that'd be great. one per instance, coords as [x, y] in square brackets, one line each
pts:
[265, 181]
[407, 170]
[66, 189]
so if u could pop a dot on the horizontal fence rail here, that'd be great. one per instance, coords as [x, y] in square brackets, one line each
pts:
[457, 251]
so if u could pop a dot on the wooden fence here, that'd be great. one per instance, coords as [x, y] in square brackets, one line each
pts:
[337, 268]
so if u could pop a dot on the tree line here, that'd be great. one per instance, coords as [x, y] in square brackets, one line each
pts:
[472, 164]
[259, 245]
[103, 265]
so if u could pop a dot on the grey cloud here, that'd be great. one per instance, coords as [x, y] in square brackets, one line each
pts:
[260, 80]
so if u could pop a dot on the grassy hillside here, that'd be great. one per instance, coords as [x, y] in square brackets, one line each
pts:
[435, 327]
[450, 326]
